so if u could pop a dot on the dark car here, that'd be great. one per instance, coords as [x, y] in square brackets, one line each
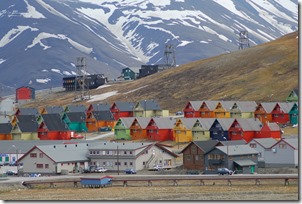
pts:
[130, 171]
[11, 173]
[222, 171]
[105, 129]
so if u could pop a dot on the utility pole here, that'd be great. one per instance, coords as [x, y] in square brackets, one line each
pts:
[118, 163]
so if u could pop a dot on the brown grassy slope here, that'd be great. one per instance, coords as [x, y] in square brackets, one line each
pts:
[260, 73]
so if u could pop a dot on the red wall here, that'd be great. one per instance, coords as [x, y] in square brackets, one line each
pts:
[162, 135]
[23, 93]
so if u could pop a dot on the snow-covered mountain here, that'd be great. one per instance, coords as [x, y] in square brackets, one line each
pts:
[41, 39]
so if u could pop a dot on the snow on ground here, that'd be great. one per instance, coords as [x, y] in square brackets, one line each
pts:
[103, 86]
[56, 70]
[101, 97]
[43, 81]
[31, 12]
[13, 33]
[135, 89]
[2, 60]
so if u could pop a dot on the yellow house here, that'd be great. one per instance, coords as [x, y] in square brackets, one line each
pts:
[223, 108]
[149, 108]
[25, 127]
[243, 109]
[182, 131]
[201, 129]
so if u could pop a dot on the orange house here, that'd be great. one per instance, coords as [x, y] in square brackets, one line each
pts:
[264, 111]
[223, 108]
[207, 109]
[138, 128]
[98, 119]
[5, 131]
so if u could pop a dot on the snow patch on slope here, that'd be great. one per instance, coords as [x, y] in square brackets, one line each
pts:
[14, 33]
[31, 12]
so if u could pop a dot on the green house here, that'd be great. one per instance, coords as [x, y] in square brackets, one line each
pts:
[201, 129]
[294, 114]
[76, 121]
[130, 73]
[293, 96]
[122, 128]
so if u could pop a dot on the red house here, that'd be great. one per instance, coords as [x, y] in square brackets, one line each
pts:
[160, 129]
[280, 113]
[264, 111]
[269, 130]
[122, 109]
[54, 128]
[192, 109]
[207, 109]
[244, 128]
[25, 93]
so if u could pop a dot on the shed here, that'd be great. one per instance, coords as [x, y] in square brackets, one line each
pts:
[25, 93]
[96, 182]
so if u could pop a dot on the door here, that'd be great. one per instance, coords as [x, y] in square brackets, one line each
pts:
[252, 169]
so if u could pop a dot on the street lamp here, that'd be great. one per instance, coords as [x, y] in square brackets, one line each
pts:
[14, 146]
[118, 165]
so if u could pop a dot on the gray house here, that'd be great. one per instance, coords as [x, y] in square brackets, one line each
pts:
[56, 158]
[240, 158]
[138, 156]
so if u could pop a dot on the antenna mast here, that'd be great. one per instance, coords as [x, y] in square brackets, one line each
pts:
[81, 80]
[170, 56]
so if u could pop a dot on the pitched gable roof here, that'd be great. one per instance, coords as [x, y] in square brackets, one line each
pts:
[149, 105]
[211, 104]
[225, 122]
[249, 124]
[76, 116]
[27, 123]
[246, 106]
[164, 123]
[100, 107]
[75, 108]
[265, 142]
[28, 111]
[195, 104]
[206, 122]
[293, 142]
[127, 121]
[54, 122]
[54, 109]
[205, 146]
[124, 106]
[268, 106]
[188, 122]
[233, 150]
[286, 106]
[103, 115]
[5, 128]
[143, 122]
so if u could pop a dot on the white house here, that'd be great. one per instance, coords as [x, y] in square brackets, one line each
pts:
[138, 156]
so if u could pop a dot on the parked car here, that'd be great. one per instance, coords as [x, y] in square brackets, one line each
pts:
[222, 171]
[11, 173]
[158, 167]
[179, 113]
[100, 169]
[130, 171]
[105, 129]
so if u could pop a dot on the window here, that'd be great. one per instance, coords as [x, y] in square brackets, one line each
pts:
[39, 166]
[46, 166]
[131, 164]
[41, 155]
[130, 152]
[125, 152]
[253, 145]
[125, 163]
[33, 155]
[282, 146]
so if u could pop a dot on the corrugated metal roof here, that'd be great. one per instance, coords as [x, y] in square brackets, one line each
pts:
[249, 124]
[233, 142]
[120, 145]
[211, 104]
[196, 104]
[76, 116]
[101, 107]
[66, 152]
[206, 122]
[292, 142]
[5, 128]
[143, 122]
[127, 121]
[54, 109]
[233, 150]
[27, 123]
[227, 105]
[188, 122]
[103, 115]
[245, 162]
[268, 106]
[29, 111]
[225, 122]
[149, 105]
[206, 146]
[246, 106]
[286, 106]
[265, 142]
[54, 122]
[274, 126]
[4, 119]
[165, 123]
[124, 106]
[75, 108]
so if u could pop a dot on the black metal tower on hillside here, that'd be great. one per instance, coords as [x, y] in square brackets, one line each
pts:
[81, 80]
